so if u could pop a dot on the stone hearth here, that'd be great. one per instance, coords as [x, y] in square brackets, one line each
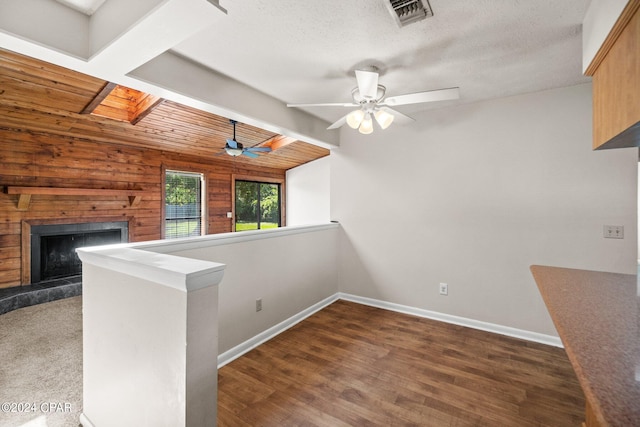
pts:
[25, 296]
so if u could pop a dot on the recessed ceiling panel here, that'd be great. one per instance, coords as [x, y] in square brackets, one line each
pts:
[88, 7]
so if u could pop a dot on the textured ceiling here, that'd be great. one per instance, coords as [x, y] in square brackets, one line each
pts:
[245, 59]
[302, 51]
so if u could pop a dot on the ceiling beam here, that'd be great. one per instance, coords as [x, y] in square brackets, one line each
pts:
[97, 100]
[120, 36]
[200, 87]
[136, 52]
[277, 141]
[163, 24]
[144, 107]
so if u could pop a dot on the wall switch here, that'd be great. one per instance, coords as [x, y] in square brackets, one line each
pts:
[229, 214]
[614, 232]
[259, 304]
[444, 289]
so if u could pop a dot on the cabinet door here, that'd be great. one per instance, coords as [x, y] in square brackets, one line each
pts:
[616, 91]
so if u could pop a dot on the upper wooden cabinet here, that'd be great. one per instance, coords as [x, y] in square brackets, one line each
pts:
[616, 83]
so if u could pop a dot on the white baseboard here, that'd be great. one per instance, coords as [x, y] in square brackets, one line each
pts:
[461, 321]
[250, 344]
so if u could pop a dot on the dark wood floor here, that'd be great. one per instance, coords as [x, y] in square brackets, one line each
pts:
[353, 365]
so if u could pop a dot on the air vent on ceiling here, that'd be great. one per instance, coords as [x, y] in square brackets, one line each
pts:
[406, 12]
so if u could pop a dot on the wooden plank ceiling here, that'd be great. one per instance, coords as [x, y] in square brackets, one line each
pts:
[39, 97]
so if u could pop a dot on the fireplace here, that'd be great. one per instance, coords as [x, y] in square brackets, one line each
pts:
[53, 246]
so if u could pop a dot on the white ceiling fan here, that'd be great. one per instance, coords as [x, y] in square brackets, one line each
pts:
[369, 98]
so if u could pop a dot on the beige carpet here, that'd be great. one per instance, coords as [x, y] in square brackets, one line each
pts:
[41, 365]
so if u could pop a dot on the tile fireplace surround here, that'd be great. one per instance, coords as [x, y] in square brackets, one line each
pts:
[59, 281]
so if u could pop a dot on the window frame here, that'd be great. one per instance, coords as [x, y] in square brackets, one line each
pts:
[204, 217]
[260, 179]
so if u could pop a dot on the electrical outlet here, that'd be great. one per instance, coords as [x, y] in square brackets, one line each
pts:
[614, 232]
[444, 289]
[259, 304]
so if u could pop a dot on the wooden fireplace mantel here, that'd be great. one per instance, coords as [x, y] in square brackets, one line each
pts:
[25, 193]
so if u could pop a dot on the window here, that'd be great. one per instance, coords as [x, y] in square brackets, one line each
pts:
[257, 205]
[183, 204]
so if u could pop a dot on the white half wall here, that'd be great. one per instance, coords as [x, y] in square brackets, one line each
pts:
[290, 269]
[472, 196]
[308, 193]
[149, 338]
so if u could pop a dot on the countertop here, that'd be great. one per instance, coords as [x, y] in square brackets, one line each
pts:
[597, 316]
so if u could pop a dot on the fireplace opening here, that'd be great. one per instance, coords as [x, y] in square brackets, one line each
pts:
[53, 247]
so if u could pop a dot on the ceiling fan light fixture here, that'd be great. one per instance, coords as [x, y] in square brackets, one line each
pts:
[235, 152]
[384, 118]
[369, 99]
[354, 118]
[366, 127]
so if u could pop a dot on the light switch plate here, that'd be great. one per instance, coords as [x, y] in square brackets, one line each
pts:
[444, 289]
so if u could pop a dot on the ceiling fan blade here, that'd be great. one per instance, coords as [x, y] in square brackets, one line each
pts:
[419, 97]
[367, 84]
[232, 143]
[264, 149]
[338, 123]
[326, 104]
[250, 154]
[401, 119]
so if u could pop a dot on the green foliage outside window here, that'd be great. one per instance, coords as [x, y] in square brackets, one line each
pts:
[183, 207]
[181, 189]
[257, 205]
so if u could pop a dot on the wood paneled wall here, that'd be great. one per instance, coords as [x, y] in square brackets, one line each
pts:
[29, 158]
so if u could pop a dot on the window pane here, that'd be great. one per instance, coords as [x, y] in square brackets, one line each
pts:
[246, 205]
[269, 205]
[183, 207]
[257, 205]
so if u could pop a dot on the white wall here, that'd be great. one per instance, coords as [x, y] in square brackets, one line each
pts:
[290, 270]
[600, 18]
[308, 193]
[472, 196]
